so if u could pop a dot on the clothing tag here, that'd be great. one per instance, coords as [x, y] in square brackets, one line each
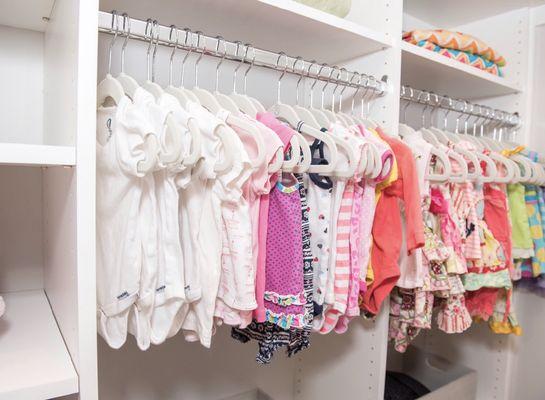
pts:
[109, 127]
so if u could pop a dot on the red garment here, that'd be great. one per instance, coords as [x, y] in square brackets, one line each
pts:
[480, 303]
[387, 225]
[496, 217]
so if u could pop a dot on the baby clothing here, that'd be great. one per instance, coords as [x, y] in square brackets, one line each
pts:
[387, 226]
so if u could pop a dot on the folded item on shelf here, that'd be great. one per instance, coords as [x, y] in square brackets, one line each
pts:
[457, 41]
[473, 60]
[340, 8]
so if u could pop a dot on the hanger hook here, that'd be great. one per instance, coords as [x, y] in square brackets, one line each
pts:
[434, 106]
[197, 62]
[174, 48]
[460, 112]
[407, 101]
[316, 78]
[242, 61]
[127, 32]
[328, 81]
[337, 84]
[188, 53]
[310, 65]
[219, 39]
[367, 88]
[345, 85]
[248, 47]
[148, 34]
[426, 104]
[280, 55]
[155, 39]
[358, 87]
[293, 67]
[115, 28]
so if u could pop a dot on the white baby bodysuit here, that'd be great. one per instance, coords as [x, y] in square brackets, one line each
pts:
[121, 134]
[169, 293]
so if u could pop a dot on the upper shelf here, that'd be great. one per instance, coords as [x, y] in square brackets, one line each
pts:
[276, 25]
[426, 70]
[35, 362]
[26, 14]
[449, 14]
[36, 155]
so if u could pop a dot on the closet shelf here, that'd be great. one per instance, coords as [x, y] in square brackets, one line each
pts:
[276, 25]
[25, 14]
[36, 155]
[424, 69]
[449, 14]
[35, 362]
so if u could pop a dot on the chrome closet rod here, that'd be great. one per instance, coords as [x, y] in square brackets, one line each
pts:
[459, 106]
[257, 57]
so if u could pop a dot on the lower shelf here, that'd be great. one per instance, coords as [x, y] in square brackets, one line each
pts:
[35, 363]
[36, 155]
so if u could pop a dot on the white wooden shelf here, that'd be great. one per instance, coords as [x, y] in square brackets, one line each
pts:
[26, 14]
[448, 14]
[36, 155]
[35, 362]
[427, 70]
[277, 25]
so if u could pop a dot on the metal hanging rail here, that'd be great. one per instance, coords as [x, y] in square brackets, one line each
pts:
[152, 33]
[435, 101]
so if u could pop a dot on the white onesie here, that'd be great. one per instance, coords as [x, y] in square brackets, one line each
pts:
[169, 293]
[121, 133]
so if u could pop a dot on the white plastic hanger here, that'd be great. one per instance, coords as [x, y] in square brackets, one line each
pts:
[243, 102]
[349, 82]
[209, 101]
[188, 42]
[192, 125]
[301, 111]
[152, 29]
[319, 115]
[177, 92]
[109, 87]
[129, 83]
[286, 113]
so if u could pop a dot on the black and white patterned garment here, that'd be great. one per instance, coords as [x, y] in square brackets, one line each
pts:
[300, 338]
[271, 337]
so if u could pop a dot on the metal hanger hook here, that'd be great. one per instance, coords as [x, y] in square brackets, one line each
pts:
[245, 82]
[219, 39]
[358, 87]
[242, 61]
[127, 32]
[293, 67]
[148, 34]
[115, 28]
[435, 106]
[328, 81]
[155, 39]
[188, 53]
[316, 78]
[280, 55]
[408, 101]
[426, 104]
[197, 62]
[174, 48]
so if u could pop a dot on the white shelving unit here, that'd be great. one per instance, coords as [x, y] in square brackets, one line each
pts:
[277, 25]
[426, 70]
[48, 69]
[36, 155]
[35, 361]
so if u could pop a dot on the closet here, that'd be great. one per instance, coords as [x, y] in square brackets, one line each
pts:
[52, 55]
